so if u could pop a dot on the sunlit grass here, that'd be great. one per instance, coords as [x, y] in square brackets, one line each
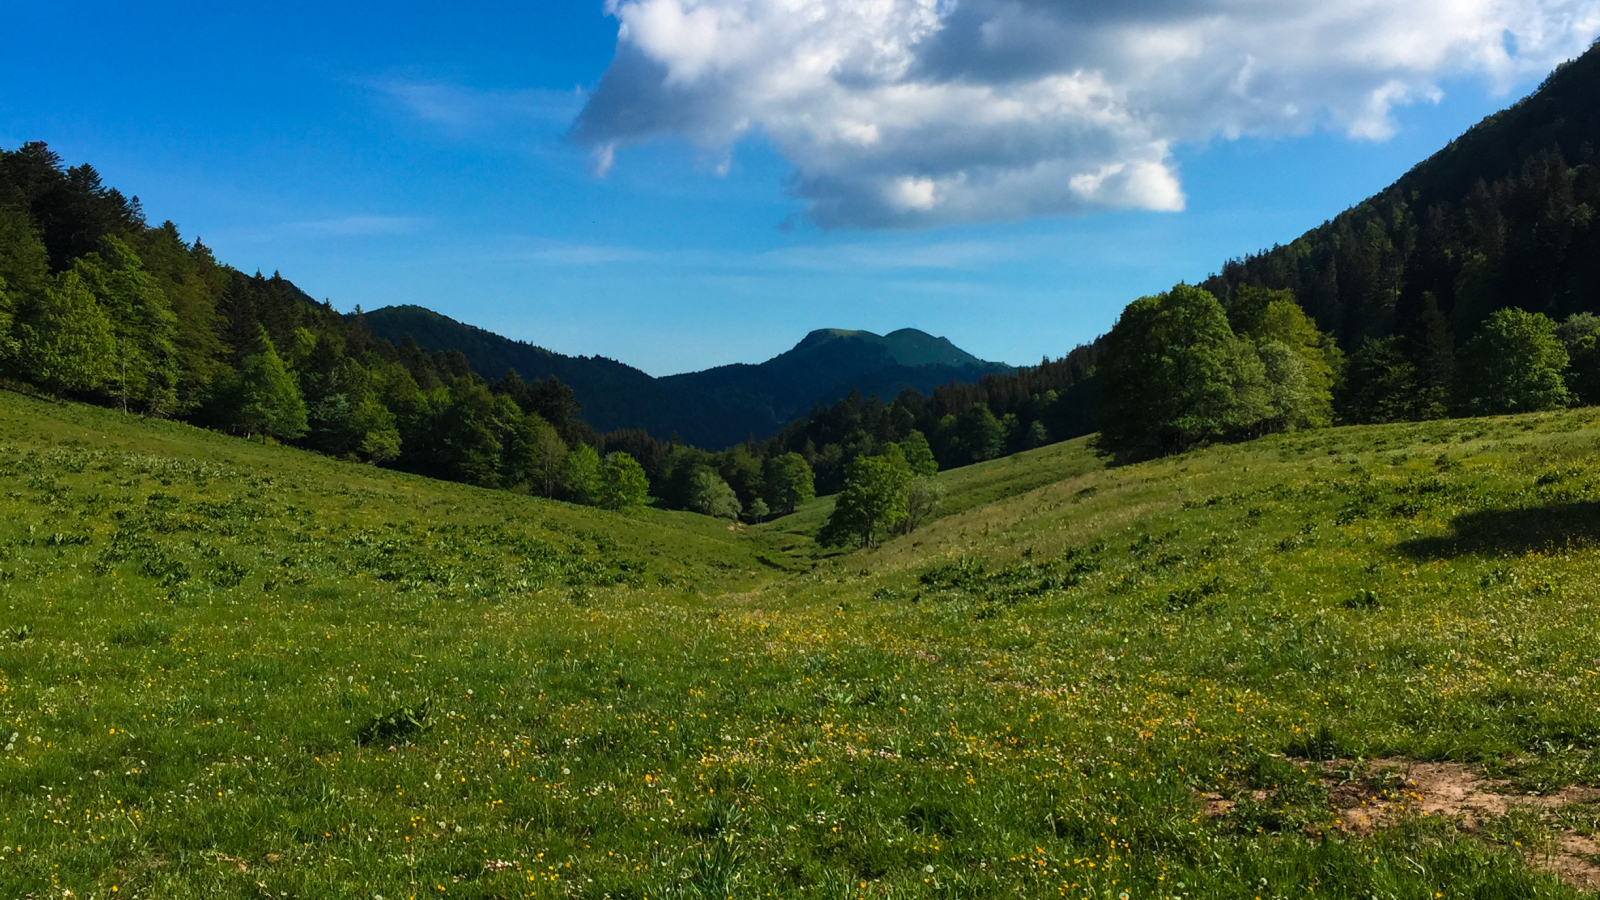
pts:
[1025, 698]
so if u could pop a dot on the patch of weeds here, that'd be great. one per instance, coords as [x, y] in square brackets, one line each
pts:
[229, 574]
[402, 726]
[933, 819]
[1280, 797]
[144, 633]
[1193, 595]
[1365, 600]
[1321, 745]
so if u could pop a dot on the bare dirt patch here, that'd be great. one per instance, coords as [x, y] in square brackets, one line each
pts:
[1372, 794]
[1573, 861]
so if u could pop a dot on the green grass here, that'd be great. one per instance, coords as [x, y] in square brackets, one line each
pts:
[1024, 698]
[967, 488]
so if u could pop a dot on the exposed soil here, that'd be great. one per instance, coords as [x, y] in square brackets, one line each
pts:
[1374, 794]
[1573, 861]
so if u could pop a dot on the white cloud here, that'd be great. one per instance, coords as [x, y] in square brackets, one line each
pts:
[910, 113]
[461, 110]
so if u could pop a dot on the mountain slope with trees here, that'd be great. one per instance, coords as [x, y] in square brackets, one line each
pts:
[714, 408]
[1503, 217]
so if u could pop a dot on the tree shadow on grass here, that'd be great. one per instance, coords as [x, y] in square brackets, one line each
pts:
[1513, 532]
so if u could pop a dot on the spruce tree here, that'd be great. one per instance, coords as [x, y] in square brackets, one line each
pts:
[269, 399]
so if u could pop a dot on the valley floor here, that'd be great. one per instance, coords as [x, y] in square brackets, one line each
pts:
[1357, 663]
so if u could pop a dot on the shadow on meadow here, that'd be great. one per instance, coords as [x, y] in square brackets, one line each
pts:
[1498, 532]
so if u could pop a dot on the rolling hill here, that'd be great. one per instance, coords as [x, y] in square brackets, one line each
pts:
[717, 407]
[1352, 662]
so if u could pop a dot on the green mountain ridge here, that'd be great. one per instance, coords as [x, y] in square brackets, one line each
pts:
[716, 407]
[907, 346]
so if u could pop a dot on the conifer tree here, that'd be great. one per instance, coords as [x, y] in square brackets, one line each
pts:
[269, 400]
[1380, 384]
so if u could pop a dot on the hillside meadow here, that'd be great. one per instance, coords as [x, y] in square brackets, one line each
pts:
[1346, 663]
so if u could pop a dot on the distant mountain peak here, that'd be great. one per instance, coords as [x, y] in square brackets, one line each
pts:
[717, 407]
[905, 346]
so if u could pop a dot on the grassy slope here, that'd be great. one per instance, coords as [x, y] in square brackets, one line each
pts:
[1023, 698]
[967, 487]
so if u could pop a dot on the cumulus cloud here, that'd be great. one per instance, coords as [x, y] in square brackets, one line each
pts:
[911, 113]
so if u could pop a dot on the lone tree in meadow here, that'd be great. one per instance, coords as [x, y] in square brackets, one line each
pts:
[789, 482]
[874, 500]
[1515, 363]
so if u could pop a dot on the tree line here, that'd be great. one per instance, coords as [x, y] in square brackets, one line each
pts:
[1468, 288]
[98, 305]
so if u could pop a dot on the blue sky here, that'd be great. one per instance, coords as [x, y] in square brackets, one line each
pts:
[422, 155]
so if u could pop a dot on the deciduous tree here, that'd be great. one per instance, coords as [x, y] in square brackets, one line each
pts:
[873, 501]
[1515, 363]
[64, 340]
[623, 484]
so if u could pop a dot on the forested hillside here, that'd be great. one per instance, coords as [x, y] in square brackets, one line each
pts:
[1502, 217]
[1467, 288]
[714, 408]
[98, 305]
[1420, 290]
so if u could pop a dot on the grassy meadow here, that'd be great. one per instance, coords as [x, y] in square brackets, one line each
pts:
[232, 670]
